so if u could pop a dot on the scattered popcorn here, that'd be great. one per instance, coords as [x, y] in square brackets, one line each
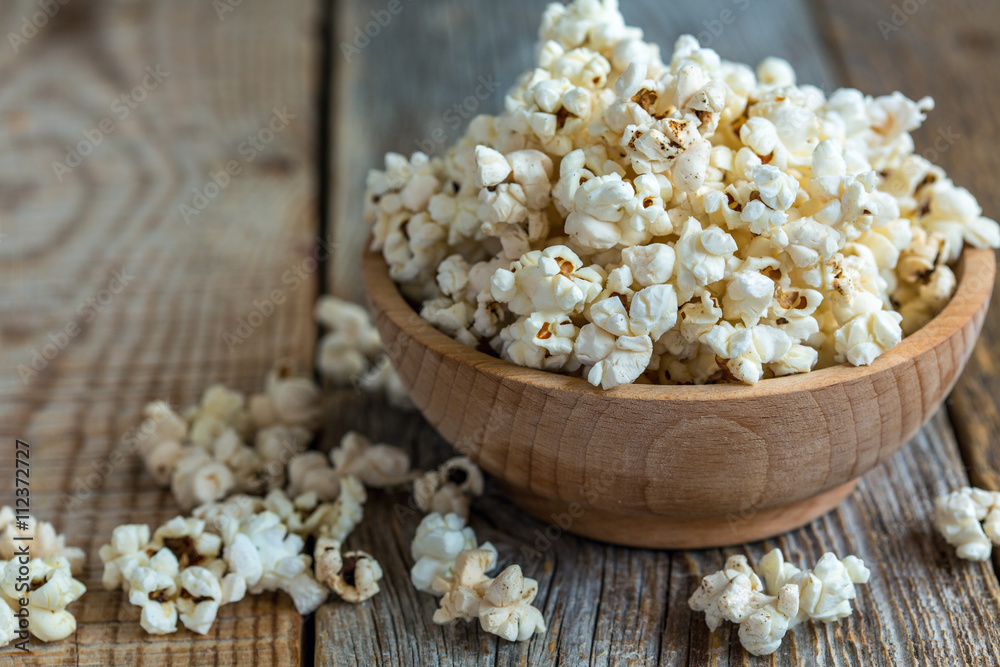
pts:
[969, 519]
[354, 576]
[781, 228]
[351, 353]
[268, 557]
[502, 605]
[49, 588]
[506, 610]
[376, 466]
[289, 399]
[450, 488]
[779, 596]
[438, 542]
[45, 541]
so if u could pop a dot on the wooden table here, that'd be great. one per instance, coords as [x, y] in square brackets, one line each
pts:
[157, 97]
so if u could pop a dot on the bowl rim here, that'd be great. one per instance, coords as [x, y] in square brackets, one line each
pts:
[976, 270]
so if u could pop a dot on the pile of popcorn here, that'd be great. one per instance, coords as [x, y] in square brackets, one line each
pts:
[351, 353]
[769, 603]
[969, 520]
[239, 543]
[690, 221]
[37, 587]
[450, 564]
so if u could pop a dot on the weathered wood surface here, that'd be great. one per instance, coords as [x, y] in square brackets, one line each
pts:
[162, 335]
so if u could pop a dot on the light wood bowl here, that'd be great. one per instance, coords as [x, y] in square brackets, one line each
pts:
[679, 466]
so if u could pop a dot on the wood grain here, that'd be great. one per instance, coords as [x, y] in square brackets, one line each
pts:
[947, 50]
[162, 335]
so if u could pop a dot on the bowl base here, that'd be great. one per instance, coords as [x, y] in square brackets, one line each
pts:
[666, 533]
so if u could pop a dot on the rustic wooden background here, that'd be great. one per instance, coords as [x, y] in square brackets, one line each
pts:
[230, 65]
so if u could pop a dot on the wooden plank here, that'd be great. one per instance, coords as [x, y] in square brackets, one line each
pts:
[948, 51]
[162, 334]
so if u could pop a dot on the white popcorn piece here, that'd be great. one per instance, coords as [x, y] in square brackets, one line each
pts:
[353, 575]
[343, 352]
[553, 280]
[450, 488]
[161, 424]
[125, 552]
[763, 630]
[438, 542]
[50, 588]
[288, 398]
[8, 623]
[865, 337]
[269, 558]
[969, 520]
[45, 542]
[462, 592]
[376, 466]
[651, 264]
[540, 340]
[729, 594]
[701, 257]
[506, 610]
[310, 472]
[198, 478]
[220, 408]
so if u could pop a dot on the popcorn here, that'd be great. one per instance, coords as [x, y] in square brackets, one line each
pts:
[505, 609]
[969, 519]
[450, 488]
[502, 605]
[267, 557]
[462, 592]
[44, 540]
[553, 280]
[354, 576]
[287, 399]
[220, 408]
[438, 542]
[867, 336]
[377, 466]
[767, 603]
[758, 201]
[49, 588]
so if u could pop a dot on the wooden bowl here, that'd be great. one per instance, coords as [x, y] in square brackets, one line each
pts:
[679, 466]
